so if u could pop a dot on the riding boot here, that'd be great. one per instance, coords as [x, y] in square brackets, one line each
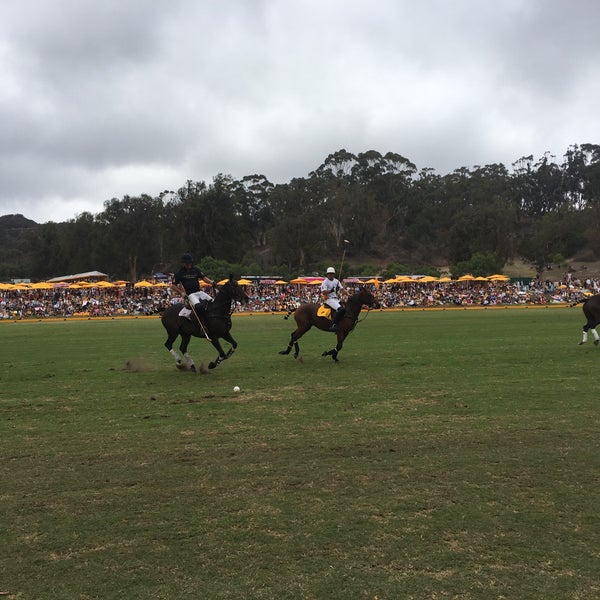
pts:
[336, 318]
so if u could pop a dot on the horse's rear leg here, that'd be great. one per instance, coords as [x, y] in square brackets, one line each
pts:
[189, 361]
[590, 327]
[169, 346]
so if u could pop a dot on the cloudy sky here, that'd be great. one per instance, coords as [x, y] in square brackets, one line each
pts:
[99, 100]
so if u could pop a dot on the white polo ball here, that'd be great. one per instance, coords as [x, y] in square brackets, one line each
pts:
[236, 388]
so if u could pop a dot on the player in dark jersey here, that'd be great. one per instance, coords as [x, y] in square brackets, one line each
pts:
[187, 281]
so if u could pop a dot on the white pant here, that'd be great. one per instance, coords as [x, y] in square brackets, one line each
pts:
[199, 296]
[333, 303]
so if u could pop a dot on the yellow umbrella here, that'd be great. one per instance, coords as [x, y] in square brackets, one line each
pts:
[105, 284]
[222, 282]
[444, 280]
[244, 282]
[280, 282]
[392, 280]
[143, 283]
[480, 278]
[498, 277]
[372, 280]
[404, 279]
[298, 280]
[427, 279]
[316, 282]
[466, 278]
[42, 285]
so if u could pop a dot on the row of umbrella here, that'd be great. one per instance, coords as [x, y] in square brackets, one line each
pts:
[406, 279]
[46, 285]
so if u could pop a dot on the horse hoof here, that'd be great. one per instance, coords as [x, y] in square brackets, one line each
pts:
[212, 365]
[596, 342]
[581, 343]
[181, 366]
[283, 352]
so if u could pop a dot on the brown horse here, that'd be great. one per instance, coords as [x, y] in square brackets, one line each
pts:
[217, 324]
[306, 316]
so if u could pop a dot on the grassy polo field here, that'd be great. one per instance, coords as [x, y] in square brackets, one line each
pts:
[449, 454]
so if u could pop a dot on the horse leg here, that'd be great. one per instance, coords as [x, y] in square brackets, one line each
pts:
[590, 326]
[341, 336]
[296, 335]
[229, 339]
[189, 361]
[169, 346]
[221, 357]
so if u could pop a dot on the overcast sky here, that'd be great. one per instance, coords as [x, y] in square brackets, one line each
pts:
[102, 99]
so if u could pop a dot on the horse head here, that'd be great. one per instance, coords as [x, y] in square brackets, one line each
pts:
[367, 298]
[235, 291]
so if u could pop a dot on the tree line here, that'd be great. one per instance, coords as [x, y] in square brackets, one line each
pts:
[476, 218]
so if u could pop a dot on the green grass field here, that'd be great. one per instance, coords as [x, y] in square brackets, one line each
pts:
[449, 454]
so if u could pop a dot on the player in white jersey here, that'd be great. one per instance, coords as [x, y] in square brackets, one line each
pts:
[330, 288]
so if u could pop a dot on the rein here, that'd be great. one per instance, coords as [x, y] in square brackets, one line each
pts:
[357, 319]
[224, 303]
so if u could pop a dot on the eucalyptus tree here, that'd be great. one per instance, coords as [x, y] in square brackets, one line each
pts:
[252, 204]
[205, 221]
[298, 236]
[131, 234]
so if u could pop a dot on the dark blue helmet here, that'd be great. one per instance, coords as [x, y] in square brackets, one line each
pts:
[187, 258]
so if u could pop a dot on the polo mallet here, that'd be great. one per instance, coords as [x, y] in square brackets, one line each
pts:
[198, 319]
[339, 276]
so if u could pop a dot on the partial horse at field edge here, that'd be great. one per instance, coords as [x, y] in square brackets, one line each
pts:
[591, 310]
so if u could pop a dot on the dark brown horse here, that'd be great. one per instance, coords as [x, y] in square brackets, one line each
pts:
[217, 325]
[306, 317]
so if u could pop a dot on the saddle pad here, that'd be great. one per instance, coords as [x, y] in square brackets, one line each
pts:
[185, 312]
[324, 311]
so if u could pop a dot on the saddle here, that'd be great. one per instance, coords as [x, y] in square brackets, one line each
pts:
[324, 311]
[186, 313]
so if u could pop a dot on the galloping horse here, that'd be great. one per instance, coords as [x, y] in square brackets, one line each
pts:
[217, 324]
[306, 316]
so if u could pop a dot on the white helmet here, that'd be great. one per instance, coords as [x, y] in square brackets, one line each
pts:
[330, 270]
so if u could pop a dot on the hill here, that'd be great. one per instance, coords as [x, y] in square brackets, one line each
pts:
[15, 233]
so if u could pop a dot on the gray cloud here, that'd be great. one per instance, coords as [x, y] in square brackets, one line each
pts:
[99, 100]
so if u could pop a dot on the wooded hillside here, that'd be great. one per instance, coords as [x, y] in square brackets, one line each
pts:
[542, 210]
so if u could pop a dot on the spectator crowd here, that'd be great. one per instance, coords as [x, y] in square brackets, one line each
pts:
[267, 297]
